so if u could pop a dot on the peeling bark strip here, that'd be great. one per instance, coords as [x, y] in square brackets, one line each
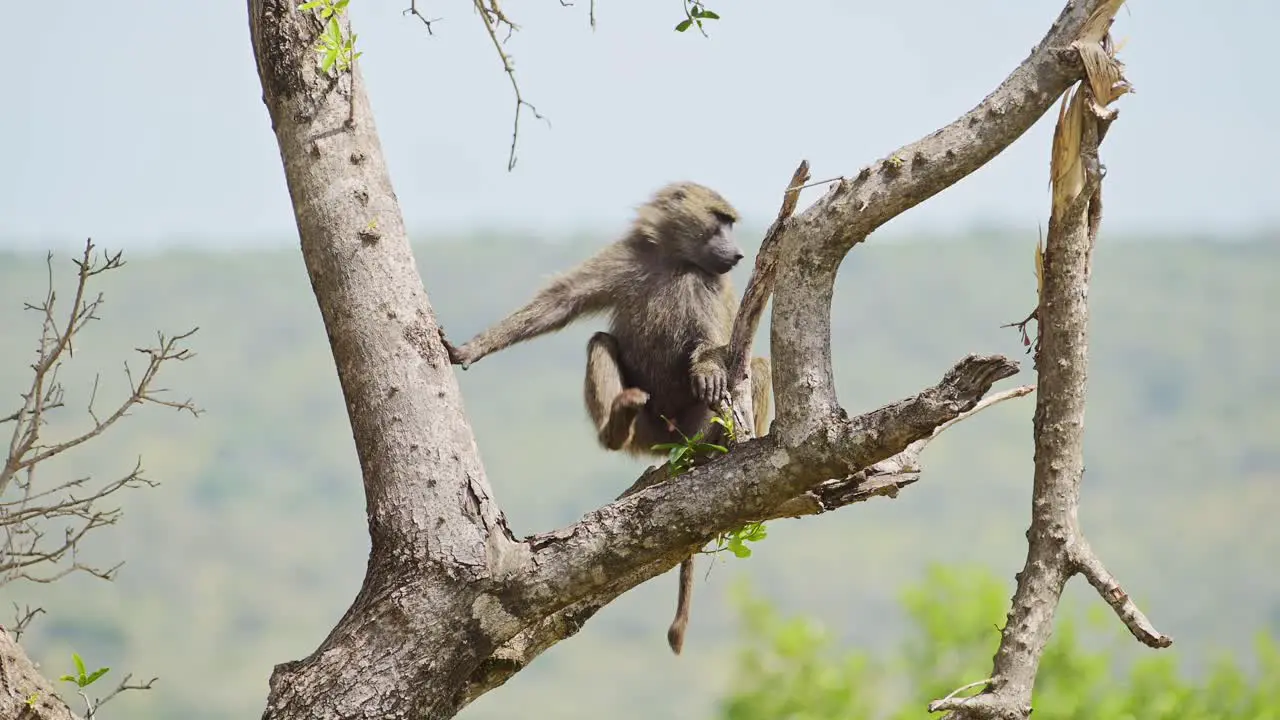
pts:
[1057, 548]
[451, 606]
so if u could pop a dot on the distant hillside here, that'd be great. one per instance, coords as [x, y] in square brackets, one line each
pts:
[254, 544]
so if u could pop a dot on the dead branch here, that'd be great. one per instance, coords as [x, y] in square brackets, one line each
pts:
[94, 706]
[29, 506]
[413, 10]
[760, 286]
[1057, 548]
[491, 13]
[22, 619]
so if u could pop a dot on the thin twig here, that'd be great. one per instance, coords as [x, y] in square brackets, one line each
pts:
[413, 10]
[985, 403]
[122, 687]
[815, 183]
[492, 16]
[24, 516]
[957, 691]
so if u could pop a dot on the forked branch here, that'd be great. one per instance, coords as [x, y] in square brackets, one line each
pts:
[1057, 548]
[42, 522]
[875, 440]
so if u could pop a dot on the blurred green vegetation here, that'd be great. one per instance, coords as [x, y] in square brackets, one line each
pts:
[794, 668]
[254, 543]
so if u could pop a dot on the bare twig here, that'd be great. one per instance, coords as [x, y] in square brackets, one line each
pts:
[815, 183]
[96, 705]
[29, 508]
[22, 619]
[968, 686]
[493, 17]
[413, 10]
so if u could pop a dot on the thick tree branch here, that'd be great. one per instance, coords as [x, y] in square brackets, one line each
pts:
[665, 522]
[437, 535]
[884, 478]
[804, 388]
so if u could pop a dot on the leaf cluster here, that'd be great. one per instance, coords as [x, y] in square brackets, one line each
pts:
[335, 48]
[694, 13]
[683, 455]
[80, 678]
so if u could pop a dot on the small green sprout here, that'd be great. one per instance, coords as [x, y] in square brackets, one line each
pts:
[80, 678]
[680, 459]
[334, 49]
[695, 12]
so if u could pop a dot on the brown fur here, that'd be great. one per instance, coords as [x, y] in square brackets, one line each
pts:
[661, 368]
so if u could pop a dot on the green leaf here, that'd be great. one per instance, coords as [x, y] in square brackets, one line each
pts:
[328, 60]
[79, 663]
[341, 5]
[708, 15]
[684, 25]
[68, 678]
[97, 674]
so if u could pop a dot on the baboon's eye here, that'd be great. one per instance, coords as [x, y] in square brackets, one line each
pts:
[724, 218]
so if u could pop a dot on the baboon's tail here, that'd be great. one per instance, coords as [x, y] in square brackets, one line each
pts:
[675, 634]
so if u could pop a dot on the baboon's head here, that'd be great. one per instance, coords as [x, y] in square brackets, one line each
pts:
[692, 223]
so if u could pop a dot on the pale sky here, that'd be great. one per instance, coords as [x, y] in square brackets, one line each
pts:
[140, 123]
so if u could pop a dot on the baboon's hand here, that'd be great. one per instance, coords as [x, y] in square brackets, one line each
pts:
[457, 355]
[710, 383]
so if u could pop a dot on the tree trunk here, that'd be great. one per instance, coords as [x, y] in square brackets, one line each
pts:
[416, 450]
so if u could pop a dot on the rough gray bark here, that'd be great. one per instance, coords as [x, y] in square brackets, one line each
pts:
[20, 681]
[1057, 548]
[452, 605]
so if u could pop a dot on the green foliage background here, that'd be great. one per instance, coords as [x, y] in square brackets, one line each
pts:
[254, 544]
[791, 667]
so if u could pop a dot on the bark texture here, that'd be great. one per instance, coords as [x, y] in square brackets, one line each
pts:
[452, 605]
[422, 617]
[1056, 545]
[25, 694]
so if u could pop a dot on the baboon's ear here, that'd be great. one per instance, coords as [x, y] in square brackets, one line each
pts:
[646, 224]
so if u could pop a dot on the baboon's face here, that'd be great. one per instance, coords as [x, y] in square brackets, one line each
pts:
[716, 252]
[693, 224]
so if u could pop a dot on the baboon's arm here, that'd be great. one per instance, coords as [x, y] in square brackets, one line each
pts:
[709, 362]
[586, 289]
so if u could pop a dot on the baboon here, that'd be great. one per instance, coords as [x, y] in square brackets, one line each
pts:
[660, 370]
